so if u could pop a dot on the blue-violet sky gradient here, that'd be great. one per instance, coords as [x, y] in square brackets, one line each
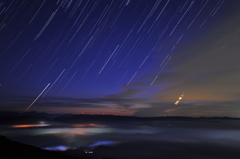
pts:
[121, 57]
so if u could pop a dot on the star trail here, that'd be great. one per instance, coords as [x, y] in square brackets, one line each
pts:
[124, 57]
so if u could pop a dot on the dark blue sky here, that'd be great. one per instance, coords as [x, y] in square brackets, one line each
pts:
[132, 57]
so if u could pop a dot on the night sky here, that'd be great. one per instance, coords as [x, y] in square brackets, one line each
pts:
[121, 57]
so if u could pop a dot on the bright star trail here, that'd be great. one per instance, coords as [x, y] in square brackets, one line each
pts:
[179, 99]
[37, 97]
[122, 57]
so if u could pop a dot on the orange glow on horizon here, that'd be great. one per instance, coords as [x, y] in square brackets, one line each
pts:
[99, 111]
[28, 126]
[87, 125]
[92, 111]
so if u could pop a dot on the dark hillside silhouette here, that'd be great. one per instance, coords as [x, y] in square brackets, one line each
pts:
[11, 149]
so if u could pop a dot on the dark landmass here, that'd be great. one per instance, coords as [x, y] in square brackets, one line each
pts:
[11, 149]
[166, 150]
[36, 116]
[136, 137]
[8, 118]
[140, 150]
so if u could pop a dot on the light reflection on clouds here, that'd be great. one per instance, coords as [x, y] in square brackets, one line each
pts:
[58, 148]
[73, 131]
[30, 125]
[79, 129]
[136, 131]
[92, 131]
[84, 134]
[87, 125]
[98, 143]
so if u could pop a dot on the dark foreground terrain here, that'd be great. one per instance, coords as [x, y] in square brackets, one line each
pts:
[147, 150]
[11, 149]
[117, 137]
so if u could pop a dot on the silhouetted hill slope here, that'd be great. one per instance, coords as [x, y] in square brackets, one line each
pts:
[10, 149]
[36, 116]
[166, 150]
[76, 153]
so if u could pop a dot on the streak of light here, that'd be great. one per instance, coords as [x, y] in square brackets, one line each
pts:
[150, 14]
[87, 70]
[22, 75]
[67, 82]
[129, 53]
[132, 78]
[164, 60]
[167, 25]
[124, 42]
[3, 25]
[218, 8]
[140, 16]
[181, 18]
[47, 71]
[197, 14]
[163, 32]
[173, 48]
[207, 18]
[143, 62]
[75, 7]
[37, 12]
[236, 39]
[127, 2]
[17, 55]
[117, 17]
[179, 99]
[81, 53]
[98, 20]
[151, 27]
[162, 10]
[154, 80]
[69, 3]
[165, 64]
[138, 45]
[223, 46]
[183, 6]
[155, 7]
[37, 97]
[84, 20]
[81, 13]
[179, 39]
[104, 13]
[109, 68]
[13, 16]
[54, 83]
[46, 24]
[97, 32]
[19, 61]
[2, 11]
[108, 60]
[9, 6]
[144, 22]
[124, 74]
